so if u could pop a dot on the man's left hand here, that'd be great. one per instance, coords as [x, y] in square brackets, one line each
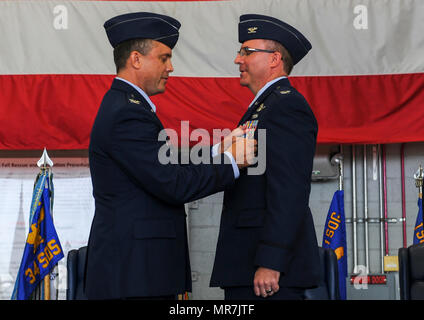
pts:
[265, 282]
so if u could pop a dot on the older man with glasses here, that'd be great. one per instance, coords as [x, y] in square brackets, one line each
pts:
[267, 246]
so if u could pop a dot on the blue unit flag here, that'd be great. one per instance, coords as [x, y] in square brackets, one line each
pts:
[335, 237]
[419, 231]
[42, 249]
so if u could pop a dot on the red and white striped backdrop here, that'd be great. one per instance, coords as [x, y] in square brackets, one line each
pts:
[364, 76]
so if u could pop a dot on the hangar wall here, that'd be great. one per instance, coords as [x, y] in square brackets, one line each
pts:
[204, 215]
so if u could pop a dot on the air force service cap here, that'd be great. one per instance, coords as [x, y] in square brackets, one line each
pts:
[142, 25]
[255, 26]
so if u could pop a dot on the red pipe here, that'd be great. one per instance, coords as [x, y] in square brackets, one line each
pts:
[386, 227]
[402, 163]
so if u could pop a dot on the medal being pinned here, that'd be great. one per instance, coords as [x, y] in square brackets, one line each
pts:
[251, 126]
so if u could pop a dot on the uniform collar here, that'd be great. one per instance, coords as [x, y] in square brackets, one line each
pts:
[263, 94]
[140, 91]
[266, 86]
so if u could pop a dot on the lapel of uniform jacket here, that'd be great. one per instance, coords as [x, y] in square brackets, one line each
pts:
[135, 97]
[281, 83]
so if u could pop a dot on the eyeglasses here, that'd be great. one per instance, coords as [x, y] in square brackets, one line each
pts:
[245, 51]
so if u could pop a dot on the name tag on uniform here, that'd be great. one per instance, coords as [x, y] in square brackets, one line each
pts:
[251, 126]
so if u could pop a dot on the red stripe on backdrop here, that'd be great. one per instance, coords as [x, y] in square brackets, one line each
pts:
[366, 109]
[57, 111]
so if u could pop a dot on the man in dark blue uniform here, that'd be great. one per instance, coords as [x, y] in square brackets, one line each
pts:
[138, 240]
[267, 246]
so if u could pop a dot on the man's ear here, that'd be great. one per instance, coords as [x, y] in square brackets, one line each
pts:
[135, 60]
[276, 59]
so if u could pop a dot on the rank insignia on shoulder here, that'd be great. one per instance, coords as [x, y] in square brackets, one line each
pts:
[285, 91]
[134, 101]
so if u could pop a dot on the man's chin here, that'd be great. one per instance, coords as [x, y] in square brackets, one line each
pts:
[158, 91]
[243, 83]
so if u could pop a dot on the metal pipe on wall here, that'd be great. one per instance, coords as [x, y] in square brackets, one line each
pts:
[341, 168]
[386, 221]
[402, 168]
[354, 216]
[367, 256]
[380, 195]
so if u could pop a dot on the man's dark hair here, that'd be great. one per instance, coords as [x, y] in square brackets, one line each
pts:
[122, 51]
[285, 55]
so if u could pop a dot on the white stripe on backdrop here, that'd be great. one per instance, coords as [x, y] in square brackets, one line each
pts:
[349, 37]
